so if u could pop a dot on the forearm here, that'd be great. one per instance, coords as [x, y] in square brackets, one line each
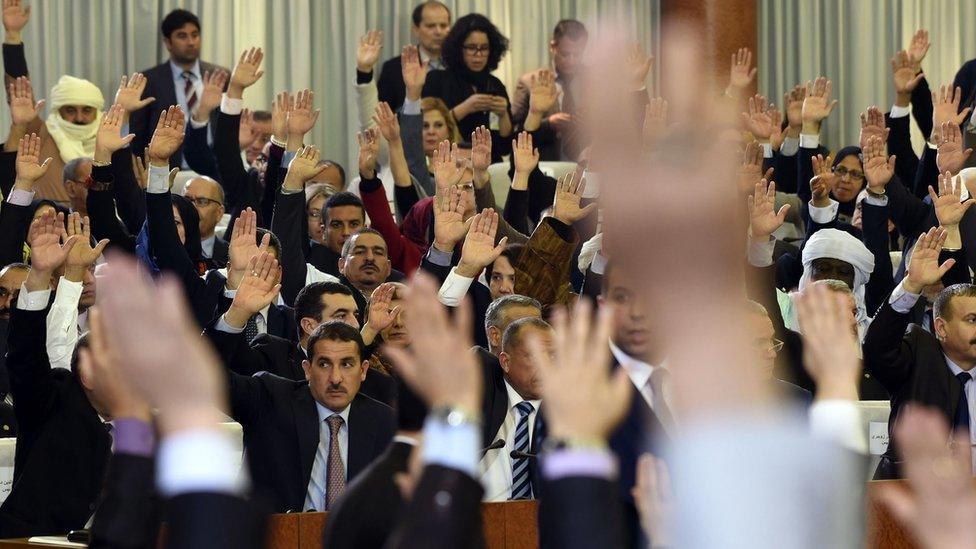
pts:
[286, 224]
[17, 131]
[62, 321]
[398, 165]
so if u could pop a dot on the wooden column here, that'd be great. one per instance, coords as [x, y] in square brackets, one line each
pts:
[725, 25]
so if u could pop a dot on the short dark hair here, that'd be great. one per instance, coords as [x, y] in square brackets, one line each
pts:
[942, 308]
[176, 19]
[336, 330]
[569, 28]
[511, 253]
[341, 198]
[275, 244]
[261, 116]
[451, 49]
[513, 334]
[418, 11]
[347, 245]
[308, 303]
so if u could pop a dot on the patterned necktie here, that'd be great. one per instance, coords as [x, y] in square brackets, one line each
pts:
[521, 487]
[251, 329]
[962, 408]
[661, 408]
[336, 471]
[189, 90]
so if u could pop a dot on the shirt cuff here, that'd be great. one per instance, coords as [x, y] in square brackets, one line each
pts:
[229, 105]
[809, 141]
[133, 436]
[899, 112]
[767, 150]
[20, 197]
[223, 326]
[825, 214]
[790, 146]
[761, 252]
[579, 463]
[901, 300]
[452, 446]
[873, 200]
[410, 107]
[454, 288]
[439, 257]
[197, 125]
[158, 180]
[33, 301]
[197, 461]
[838, 421]
[599, 263]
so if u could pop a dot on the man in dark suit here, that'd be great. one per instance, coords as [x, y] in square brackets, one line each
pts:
[178, 81]
[342, 215]
[357, 521]
[431, 22]
[207, 196]
[916, 365]
[335, 431]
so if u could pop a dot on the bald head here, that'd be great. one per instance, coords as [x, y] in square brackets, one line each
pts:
[208, 197]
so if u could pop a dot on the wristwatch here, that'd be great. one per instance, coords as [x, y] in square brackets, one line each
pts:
[455, 415]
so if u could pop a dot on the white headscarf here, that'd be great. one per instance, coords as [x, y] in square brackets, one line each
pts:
[843, 246]
[74, 140]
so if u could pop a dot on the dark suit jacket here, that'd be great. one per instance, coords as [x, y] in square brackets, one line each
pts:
[390, 86]
[431, 521]
[221, 254]
[281, 434]
[204, 520]
[159, 84]
[323, 258]
[129, 511]
[63, 446]
[580, 512]
[358, 520]
[912, 366]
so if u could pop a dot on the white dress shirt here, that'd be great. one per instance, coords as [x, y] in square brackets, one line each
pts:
[496, 465]
[971, 400]
[314, 497]
[62, 323]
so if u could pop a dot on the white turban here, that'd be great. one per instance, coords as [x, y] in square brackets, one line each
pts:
[74, 140]
[843, 246]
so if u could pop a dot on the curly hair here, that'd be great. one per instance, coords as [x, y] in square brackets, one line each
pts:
[451, 50]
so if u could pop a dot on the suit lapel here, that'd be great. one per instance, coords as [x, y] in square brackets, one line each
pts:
[360, 438]
[307, 425]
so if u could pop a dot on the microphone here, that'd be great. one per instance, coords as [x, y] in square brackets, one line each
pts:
[522, 455]
[500, 443]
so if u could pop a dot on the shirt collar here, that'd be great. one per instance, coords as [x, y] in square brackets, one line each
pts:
[638, 370]
[425, 57]
[208, 245]
[178, 70]
[515, 398]
[956, 370]
[324, 413]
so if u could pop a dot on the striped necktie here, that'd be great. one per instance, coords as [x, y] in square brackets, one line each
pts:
[521, 486]
[189, 90]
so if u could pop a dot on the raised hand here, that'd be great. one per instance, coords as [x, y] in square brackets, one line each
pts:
[213, 90]
[29, 167]
[945, 103]
[817, 104]
[386, 121]
[759, 120]
[414, 71]
[949, 208]
[15, 18]
[526, 157]
[873, 125]
[129, 94]
[109, 137]
[283, 103]
[168, 137]
[245, 132]
[750, 171]
[939, 504]
[438, 365]
[764, 220]
[923, 266]
[741, 72]
[479, 249]
[480, 149]
[256, 291]
[23, 110]
[655, 122]
[823, 180]
[302, 117]
[368, 51]
[304, 168]
[140, 168]
[244, 241]
[581, 370]
[446, 166]
[793, 103]
[918, 48]
[638, 65]
[878, 167]
[381, 312]
[101, 365]
[950, 157]
[45, 239]
[542, 92]
[831, 351]
[82, 254]
[369, 149]
[904, 70]
[569, 192]
[246, 72]
[654, 499]
[449, 224]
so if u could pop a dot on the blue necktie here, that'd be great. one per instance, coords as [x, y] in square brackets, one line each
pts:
[521, 486]
[962, 408]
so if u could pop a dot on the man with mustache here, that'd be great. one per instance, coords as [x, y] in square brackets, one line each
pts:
[365, 264]
[333, 430]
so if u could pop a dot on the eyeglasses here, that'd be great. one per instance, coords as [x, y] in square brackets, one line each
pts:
[766, 345]
[476, 50]
[202, 201]
[841, 171]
